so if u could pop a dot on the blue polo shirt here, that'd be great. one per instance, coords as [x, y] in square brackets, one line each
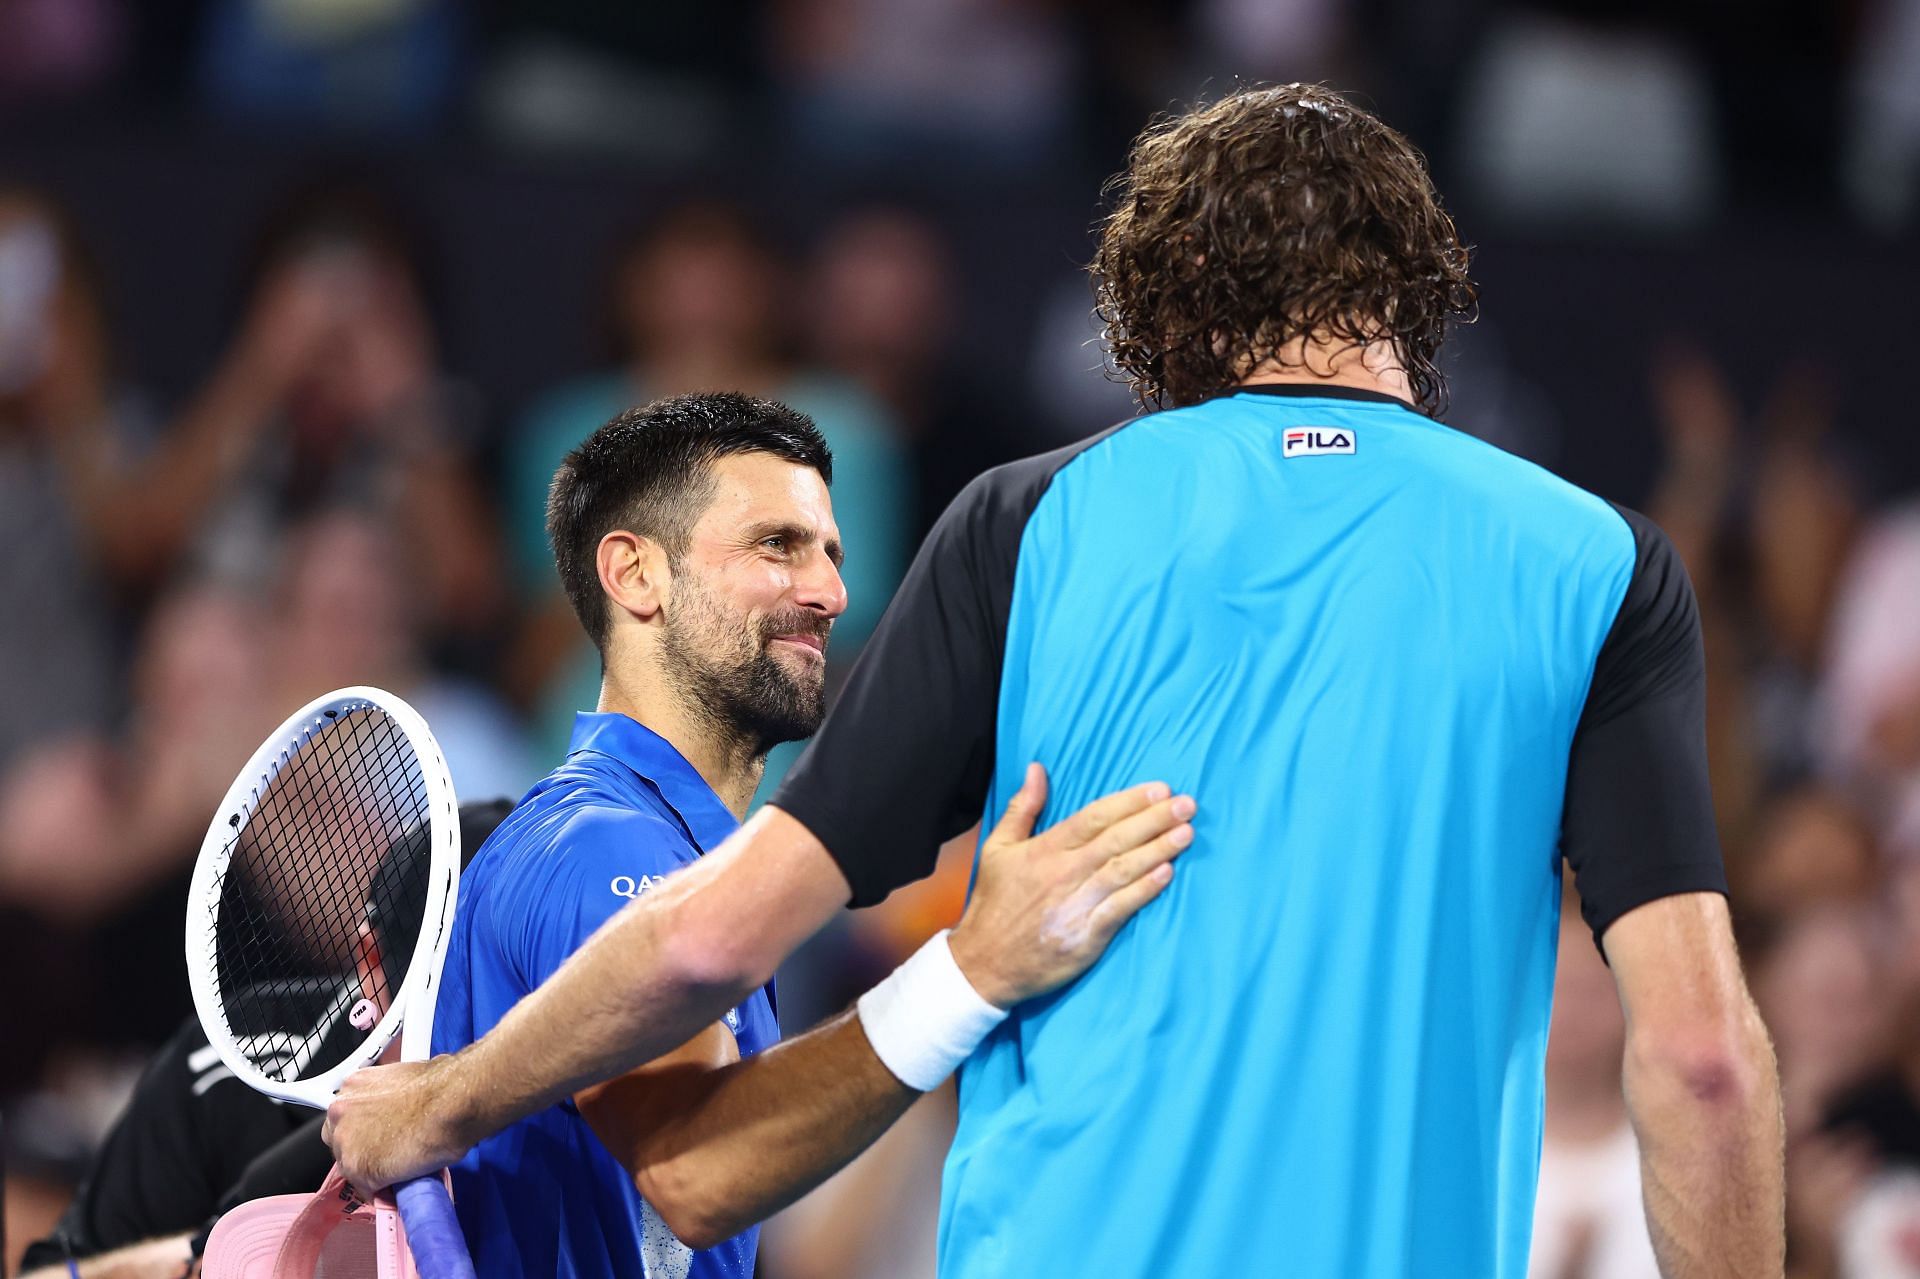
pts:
[624, 811]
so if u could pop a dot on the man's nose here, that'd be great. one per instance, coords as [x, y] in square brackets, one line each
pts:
[818, 586]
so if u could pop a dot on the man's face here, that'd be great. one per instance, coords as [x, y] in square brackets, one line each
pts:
[753, 599]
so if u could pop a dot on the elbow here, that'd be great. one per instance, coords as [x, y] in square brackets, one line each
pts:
[684, 1207]
[1718, 1065]
[709, 956]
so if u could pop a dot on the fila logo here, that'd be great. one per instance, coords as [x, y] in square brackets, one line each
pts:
[1316, 441]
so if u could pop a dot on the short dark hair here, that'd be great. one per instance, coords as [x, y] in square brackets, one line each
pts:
[649, 470]
[1274, 213]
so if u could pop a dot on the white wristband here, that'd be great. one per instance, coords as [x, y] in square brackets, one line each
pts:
[926, 1017]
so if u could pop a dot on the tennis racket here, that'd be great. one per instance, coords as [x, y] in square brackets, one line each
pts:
[319, 914]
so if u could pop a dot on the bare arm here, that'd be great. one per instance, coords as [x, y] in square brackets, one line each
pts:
[168, 1258]
[659, 972]
[716, 1144]
[716, 1149]
[1702, 1090]
[138, 518]
[670, 963]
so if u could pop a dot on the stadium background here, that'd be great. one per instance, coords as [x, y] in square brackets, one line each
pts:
[1693, 225]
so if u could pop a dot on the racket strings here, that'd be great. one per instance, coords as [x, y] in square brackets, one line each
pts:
[317, 911]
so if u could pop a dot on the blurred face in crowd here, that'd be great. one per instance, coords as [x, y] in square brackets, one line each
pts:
[358, 329]
[201, 652]
[1820, 992]
[344, 617]
[702, 286]
[1813, 848]
[748, 607]
[881, 291]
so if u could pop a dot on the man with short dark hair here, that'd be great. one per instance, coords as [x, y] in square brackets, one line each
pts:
[696, 541]
[1410, 672]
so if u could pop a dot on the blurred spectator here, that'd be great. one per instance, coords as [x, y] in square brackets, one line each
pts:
[98, 833]
[57, 409]
[882, 307]
[348, 614]
[1810, 848]
[695, 305]
[1879, 1232]
[332, 394]
[977, 83]
[1820, 985]
[1588, 1218]
[363, 65]
[1766, 582]
[1870, 699]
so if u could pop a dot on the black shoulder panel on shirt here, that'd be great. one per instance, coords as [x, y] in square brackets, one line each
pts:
[904, 761]
[1638, 823]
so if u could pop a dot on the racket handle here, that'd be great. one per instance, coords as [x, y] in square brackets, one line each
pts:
[433, 1232]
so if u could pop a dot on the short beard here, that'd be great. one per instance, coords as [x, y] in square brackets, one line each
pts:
[729, 677]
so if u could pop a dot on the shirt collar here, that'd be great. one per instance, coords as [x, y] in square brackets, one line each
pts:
[654, 759]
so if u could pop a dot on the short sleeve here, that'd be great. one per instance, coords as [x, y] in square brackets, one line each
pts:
[603, 859]
[1638, 821]
[903, 762]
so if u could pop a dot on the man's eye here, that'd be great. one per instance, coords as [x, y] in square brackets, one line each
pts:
[774, 543]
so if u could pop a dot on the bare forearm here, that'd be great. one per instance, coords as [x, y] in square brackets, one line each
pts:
[139, 517]
[155, 1259]
[667, 966]
[616, 1004]
[749, 1139]
[1711, 1161]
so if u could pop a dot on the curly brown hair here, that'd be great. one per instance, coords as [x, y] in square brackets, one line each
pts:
[1273, 214]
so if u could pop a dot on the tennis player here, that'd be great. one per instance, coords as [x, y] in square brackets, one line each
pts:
[696, 540]
[1408, 674]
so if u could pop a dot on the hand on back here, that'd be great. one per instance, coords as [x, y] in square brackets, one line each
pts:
[1045, 906]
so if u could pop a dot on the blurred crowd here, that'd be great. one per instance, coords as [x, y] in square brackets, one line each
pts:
[334, 499]
[1534, 109]
[1811, 610]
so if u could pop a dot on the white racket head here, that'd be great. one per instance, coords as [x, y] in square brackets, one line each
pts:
[343, 828]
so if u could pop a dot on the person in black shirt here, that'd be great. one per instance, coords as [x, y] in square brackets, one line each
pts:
[193, 1142]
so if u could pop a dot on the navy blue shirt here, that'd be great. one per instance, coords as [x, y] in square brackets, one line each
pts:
[544, 1197]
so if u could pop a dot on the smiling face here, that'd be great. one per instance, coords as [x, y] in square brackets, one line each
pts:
[752, 600]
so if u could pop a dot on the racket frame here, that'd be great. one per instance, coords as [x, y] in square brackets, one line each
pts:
[410, 1012]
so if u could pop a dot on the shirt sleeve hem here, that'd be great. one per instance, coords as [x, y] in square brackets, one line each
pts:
[1696, 877]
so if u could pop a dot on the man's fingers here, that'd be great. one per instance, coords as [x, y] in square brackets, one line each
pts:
[1115, 873]
[1090, 822]
[1119, 907]
[1136, 831]
[1023, 810]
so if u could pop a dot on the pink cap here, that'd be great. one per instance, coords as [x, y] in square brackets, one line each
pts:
[327, 1235]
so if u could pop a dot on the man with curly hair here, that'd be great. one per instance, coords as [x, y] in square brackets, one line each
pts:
[1404, 672]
